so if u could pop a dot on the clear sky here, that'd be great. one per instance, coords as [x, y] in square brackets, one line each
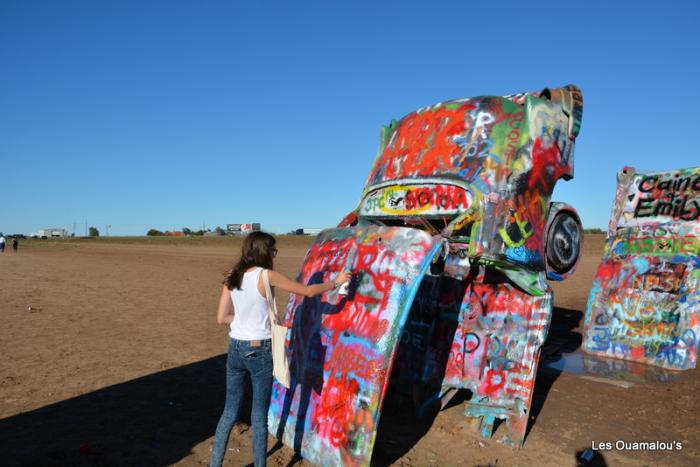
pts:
[173, 114]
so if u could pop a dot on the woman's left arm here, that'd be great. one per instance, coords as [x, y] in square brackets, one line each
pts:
[224, 313]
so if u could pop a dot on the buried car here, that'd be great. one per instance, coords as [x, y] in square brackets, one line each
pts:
[644, 305]
[450, 245]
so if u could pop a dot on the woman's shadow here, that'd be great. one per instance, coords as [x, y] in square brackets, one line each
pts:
[308, 354]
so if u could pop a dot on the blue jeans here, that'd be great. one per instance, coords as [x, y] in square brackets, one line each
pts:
[256, 362]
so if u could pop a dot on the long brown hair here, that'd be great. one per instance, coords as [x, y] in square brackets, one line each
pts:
[258, 250]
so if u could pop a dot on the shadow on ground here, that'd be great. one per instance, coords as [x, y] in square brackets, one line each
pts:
[153, 420]
[157, 419]
[562, 339]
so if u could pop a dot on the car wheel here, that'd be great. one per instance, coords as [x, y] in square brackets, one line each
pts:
[563, 246]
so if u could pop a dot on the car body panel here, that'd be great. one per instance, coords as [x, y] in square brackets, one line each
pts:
[341, 349]
[506, 153]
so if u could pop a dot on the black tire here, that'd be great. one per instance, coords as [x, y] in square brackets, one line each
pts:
[563, 245]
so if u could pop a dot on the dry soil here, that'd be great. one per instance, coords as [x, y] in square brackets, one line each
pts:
[110, 355]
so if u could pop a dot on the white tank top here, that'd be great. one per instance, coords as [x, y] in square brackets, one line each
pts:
[250, 316]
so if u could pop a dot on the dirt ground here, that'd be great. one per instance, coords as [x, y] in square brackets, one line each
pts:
[110, 355]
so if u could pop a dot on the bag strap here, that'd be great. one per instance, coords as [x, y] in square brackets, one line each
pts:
[271, 305]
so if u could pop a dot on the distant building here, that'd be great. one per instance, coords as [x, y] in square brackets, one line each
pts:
[47, 233]
[307, 231]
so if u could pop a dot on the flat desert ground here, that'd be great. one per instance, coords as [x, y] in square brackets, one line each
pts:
[111, 355]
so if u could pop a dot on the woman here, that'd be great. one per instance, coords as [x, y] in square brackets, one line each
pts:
[243, 308]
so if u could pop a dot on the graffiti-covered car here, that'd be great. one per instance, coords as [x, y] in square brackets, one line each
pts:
[644, 305]
[450, 246]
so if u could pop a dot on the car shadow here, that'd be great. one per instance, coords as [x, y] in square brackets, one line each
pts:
[153, 420]
[561, 339]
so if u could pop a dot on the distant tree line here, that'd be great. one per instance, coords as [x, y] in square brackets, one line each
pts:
[219, 231]
[186, 231]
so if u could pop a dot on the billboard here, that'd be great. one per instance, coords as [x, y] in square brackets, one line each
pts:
[243, 228]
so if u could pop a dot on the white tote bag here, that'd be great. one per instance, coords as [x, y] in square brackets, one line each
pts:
[279, 335]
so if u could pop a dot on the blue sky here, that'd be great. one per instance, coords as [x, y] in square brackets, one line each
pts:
[169, 114]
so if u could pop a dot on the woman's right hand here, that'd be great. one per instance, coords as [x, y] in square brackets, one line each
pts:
[342, 278]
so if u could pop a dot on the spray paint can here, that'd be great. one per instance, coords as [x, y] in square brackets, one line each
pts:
[344, 288]
[347, 289]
